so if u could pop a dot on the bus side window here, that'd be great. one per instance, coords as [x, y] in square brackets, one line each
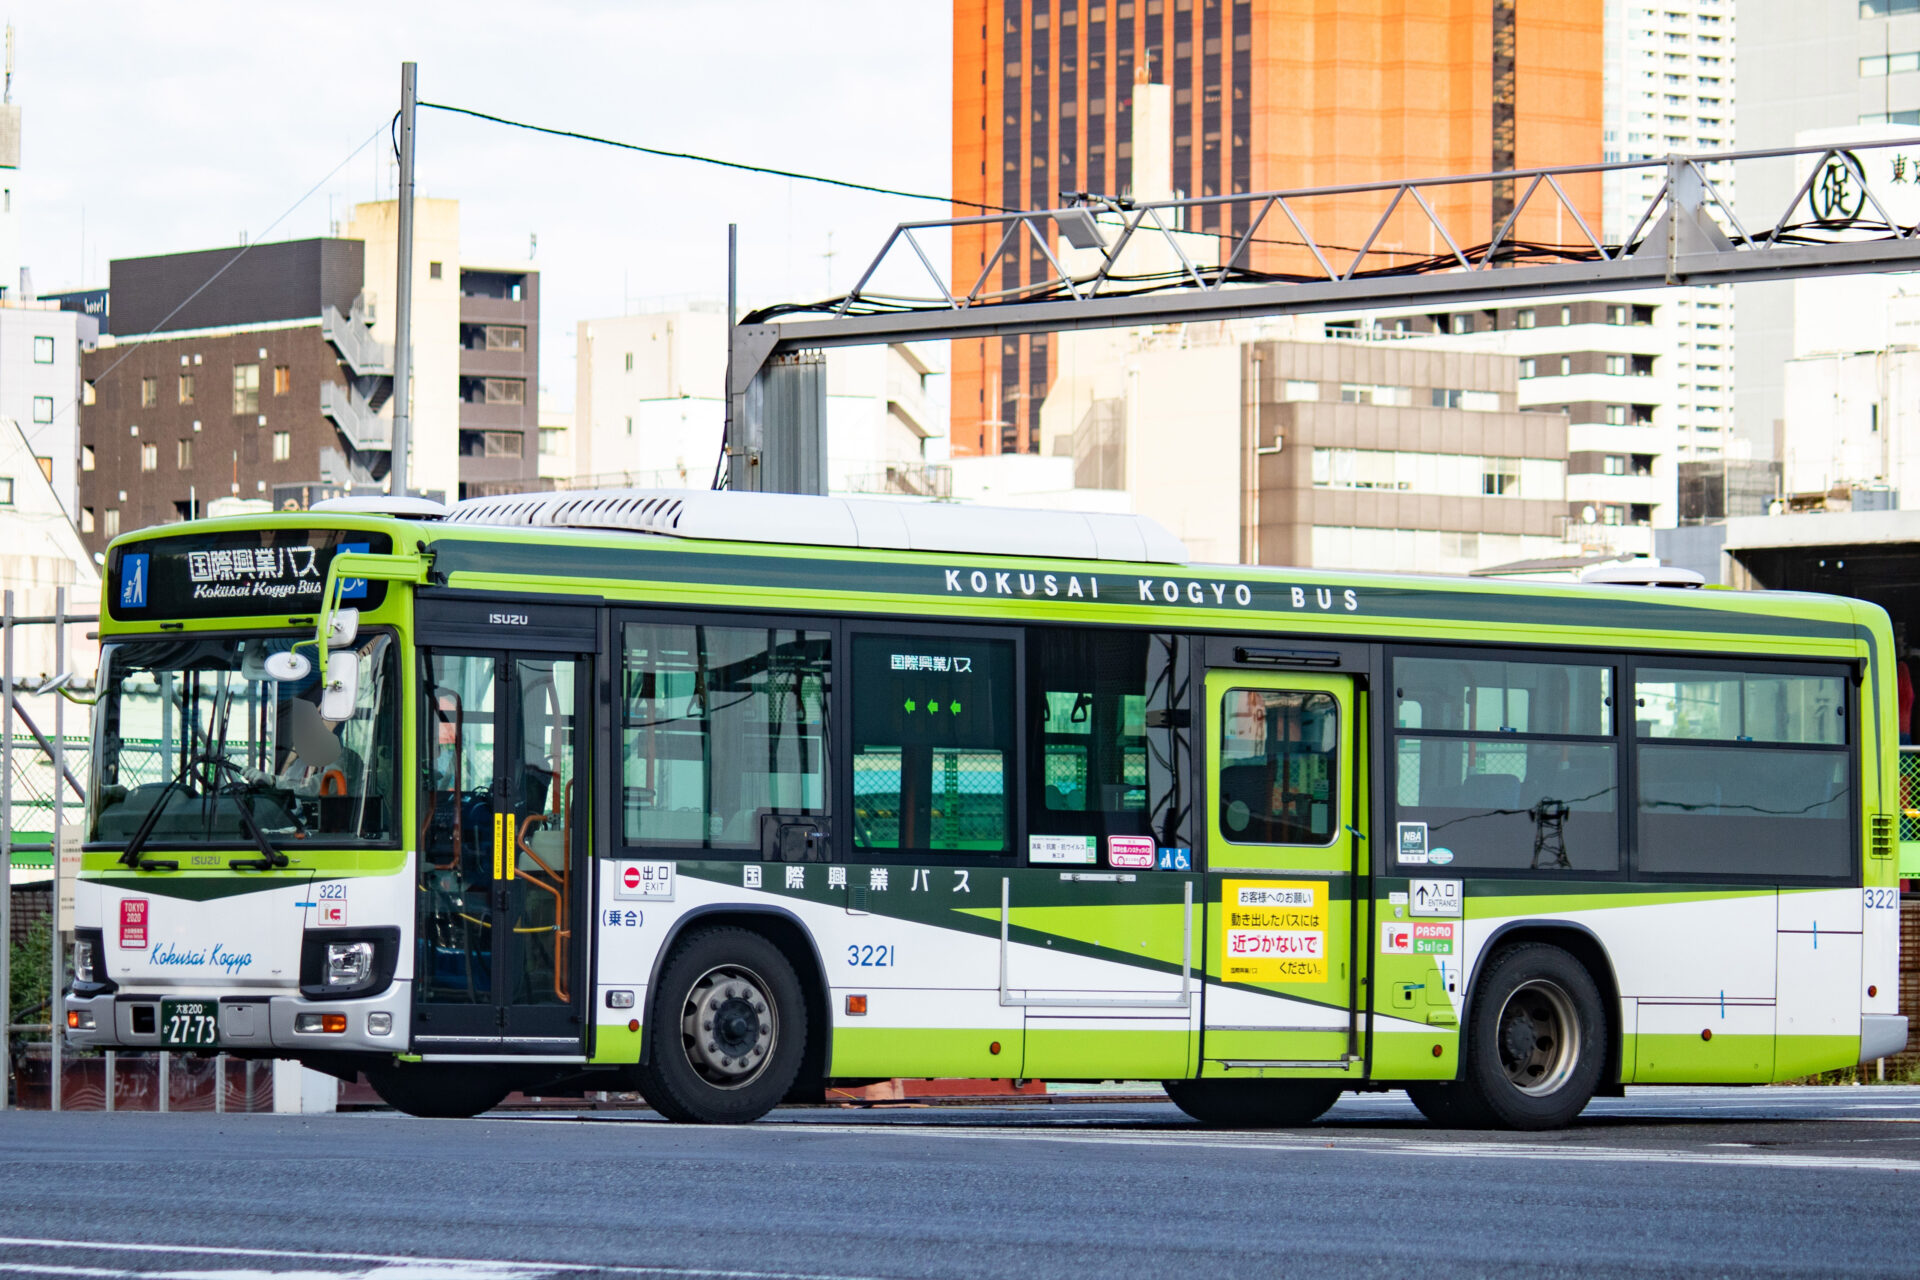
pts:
[1106, 714]
[1742, 772]
[934, 741]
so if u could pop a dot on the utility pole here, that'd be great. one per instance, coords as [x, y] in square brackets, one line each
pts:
[403, 294]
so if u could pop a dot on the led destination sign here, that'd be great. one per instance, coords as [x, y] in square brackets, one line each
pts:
[237, 573]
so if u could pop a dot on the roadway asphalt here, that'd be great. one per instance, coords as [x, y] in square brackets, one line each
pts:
[1665, 1182]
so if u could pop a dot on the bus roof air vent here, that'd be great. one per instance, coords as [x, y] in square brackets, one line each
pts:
[804, 520]
[1642, 575]
[382, 504]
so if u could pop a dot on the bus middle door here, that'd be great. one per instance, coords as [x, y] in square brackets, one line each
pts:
[1283, 752]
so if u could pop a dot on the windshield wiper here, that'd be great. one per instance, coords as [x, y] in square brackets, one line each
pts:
[270, 858]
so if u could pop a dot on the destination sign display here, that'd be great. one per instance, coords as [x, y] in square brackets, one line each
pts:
[237, 573]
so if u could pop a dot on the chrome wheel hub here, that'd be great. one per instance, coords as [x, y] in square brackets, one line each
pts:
[729, 1026]
[1539, 1037]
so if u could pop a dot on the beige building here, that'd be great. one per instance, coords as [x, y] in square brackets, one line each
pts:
[1266, 443]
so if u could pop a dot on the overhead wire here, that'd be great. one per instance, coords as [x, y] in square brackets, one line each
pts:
[252, 242]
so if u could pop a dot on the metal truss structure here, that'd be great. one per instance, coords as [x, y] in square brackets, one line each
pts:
[1114, 263]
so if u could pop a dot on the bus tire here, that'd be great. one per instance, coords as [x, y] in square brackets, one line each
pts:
[439, 1092]
[1536, 1041]
[1253, 1104]
[728, 1029]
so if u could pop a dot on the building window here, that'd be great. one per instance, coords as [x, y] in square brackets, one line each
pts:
[43, 350]
[506, 391]
[86, 519]
[1301, 389]
[629, 362]
[182, 453]
[149, 457]
[282, 379]
[43, 409]
[1566, 315]
[6, 491]
[1500, 478]
[1617, 366]
[1614, 464]
[86, 457]
[1461, 322]
[508, 337]
[1616, 415]
[503, 444]
[149, 392]
[282, 445]
[433, 271]
[1527, 366]
[1524, 320]
[111, 525]
[184, 392]
[246, 388]
[1616, 315]
[88, 394]
[629, 424]
[553, 441]
[1566, 365]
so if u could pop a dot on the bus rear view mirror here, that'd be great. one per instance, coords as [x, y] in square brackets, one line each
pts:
[343, 627]
[287, 667]
[342, 691]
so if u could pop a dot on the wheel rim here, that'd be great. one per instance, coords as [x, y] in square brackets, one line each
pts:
[729, 1026]
[1539, 1037]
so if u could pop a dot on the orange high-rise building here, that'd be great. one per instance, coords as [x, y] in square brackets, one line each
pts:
[1267, 95]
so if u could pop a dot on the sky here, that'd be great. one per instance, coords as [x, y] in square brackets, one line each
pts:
[160, 128]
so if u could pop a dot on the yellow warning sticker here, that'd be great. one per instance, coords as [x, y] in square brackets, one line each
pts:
[1274, 931]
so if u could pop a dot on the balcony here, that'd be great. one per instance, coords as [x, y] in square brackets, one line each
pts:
[480, 362]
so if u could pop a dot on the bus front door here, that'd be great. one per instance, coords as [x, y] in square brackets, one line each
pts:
[1284, 858]
[499, 958]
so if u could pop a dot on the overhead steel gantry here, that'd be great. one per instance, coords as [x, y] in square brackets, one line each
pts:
[1136, 264]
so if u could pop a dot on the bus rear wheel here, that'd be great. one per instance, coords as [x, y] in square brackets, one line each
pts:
[439, 1092]
[1536, 1042]
[727, 1029]
[1253, 1104]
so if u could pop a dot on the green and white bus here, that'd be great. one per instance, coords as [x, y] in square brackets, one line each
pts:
[730, 798]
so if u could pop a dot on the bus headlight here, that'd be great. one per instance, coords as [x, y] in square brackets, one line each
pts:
[86, 960]
[349, 964]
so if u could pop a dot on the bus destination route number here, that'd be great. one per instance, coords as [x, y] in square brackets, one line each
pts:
[189, 1024]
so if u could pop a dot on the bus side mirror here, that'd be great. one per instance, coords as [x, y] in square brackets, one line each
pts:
[341, 692]
[343, 627]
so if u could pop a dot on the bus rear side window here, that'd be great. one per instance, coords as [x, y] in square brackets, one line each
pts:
[1742, 773]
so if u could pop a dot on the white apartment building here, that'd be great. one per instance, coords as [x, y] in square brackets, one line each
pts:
[1807, 65]
[648, 407]
[40, 387]
[1669, 87]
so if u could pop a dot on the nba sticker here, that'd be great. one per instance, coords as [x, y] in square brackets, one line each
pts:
[1413, 842]
[1274, 930]
[133, 924]
[1130, 851]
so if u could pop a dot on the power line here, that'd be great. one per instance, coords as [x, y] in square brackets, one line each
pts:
[724, 164]
[246, 248]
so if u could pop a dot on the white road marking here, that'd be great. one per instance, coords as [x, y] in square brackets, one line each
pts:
[385, 1266]
[1261, 1141]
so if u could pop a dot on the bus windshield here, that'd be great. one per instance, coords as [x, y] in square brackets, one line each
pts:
[196, 728]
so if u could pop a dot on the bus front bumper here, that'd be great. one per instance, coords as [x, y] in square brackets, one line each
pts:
[288, 1025]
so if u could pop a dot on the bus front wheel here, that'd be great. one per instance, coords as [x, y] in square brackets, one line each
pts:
[728, 1028]
[1253, 1104]
[1536, 1042]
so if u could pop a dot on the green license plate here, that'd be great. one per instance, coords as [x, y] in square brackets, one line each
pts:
[189, 1024]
